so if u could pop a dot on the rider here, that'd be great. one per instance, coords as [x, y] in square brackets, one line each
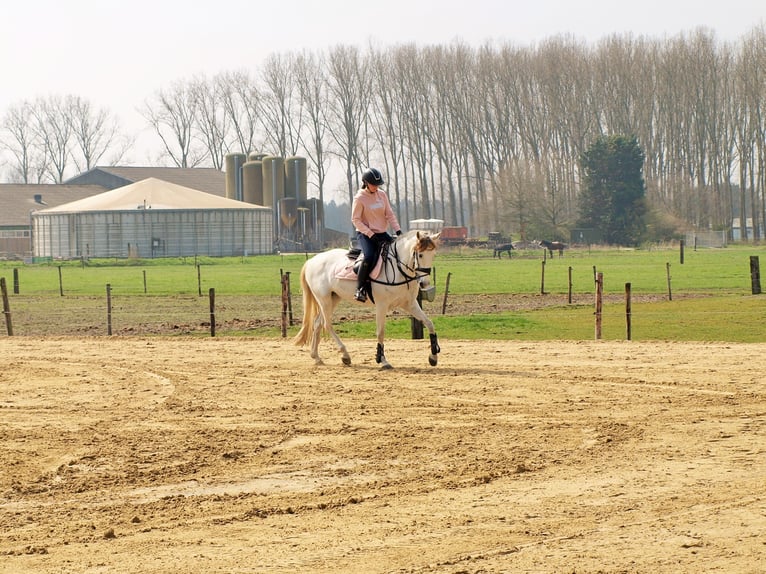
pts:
[371, 215]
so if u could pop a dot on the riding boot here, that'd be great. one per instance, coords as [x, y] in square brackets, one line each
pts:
[361, 281]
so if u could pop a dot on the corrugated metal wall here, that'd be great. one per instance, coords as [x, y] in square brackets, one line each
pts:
[160, 233]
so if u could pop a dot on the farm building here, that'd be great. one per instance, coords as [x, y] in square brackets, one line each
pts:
[152, 218]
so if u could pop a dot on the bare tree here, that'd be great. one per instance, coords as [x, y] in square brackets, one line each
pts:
[312, 88]
[95, 133]
[280, 105]
[54, 132]
[349, 98]
[241, 102]
[212, 122]
[20, 140]
[172, 114]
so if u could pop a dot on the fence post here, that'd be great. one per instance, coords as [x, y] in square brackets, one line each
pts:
[627, 311]
[283, 280]
[682, 251]
[755, 274]
[599, 303]
[108, 309]
[670, 293]
[15, 281]
[446, 291]
[542, 278]
[61, 283]
[289, 301]
[211, 296]
[570, 284]
[199, 281]
[6, 307]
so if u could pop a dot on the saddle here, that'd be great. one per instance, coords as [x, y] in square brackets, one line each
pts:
[354, 255]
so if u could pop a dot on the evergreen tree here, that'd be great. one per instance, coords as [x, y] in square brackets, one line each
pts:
[612, 197]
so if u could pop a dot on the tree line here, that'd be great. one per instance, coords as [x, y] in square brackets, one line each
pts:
[490, 137]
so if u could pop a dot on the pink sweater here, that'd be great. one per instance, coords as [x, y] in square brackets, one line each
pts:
[371, 212]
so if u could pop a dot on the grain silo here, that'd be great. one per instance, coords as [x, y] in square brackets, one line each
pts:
[295, 179]
[252, 182]
[273, 180]
[233, 163]
[314, 224]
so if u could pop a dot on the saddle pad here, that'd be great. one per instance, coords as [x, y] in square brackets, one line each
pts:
[345, 270]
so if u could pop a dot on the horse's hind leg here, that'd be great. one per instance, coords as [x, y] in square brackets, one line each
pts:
[327, 308]
[315, 340]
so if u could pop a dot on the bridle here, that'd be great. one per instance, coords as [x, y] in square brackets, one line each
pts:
[411, 271]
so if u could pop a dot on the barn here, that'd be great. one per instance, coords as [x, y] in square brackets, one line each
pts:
[152, 218]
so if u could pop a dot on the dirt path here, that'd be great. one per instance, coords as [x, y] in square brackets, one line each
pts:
[175, 455]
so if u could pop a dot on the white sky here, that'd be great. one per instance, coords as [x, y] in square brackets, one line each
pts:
[116, 54]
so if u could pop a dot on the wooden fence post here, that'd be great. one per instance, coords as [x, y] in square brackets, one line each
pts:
[755, 274]
[211, 296]
[670, 293]
[199, 281]
[599, 303]
[61, 283]
[627, 311]
[289, 300]
[682, 251]
[6, 307]
[446, 290]
[542, 278]
[570, 284]
[108, 309]
[15, 281]
[283, 281]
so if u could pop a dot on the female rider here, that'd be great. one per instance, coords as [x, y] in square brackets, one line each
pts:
[371, 215]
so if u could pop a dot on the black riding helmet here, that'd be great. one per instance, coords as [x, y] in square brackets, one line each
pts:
[373, 177]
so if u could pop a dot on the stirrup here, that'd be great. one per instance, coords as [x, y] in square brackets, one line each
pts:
[361, 295]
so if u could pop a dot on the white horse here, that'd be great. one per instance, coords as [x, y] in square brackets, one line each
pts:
[406, 269]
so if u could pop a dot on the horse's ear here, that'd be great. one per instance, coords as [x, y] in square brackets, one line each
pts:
[436, 237]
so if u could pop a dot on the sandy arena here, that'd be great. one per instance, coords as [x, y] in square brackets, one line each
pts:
[202, 455]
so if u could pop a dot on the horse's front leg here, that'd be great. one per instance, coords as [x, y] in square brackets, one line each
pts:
[417, 312]
[380, 331]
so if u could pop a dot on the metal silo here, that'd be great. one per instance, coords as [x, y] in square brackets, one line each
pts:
[273, 180]
[234, 163]
[295, 179]
[252, 182]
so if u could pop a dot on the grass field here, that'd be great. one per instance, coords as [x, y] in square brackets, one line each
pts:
[707, 297]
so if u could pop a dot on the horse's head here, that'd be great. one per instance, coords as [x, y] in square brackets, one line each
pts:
[423, 253]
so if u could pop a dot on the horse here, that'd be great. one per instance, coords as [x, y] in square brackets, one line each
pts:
[552, 246]
[504, 248]
[406, 268]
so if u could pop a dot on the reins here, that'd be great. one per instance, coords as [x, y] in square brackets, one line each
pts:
[403, 268]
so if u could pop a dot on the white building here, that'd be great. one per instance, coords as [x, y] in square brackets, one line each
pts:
[152, 218]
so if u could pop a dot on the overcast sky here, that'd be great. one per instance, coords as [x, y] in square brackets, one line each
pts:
[116, 54]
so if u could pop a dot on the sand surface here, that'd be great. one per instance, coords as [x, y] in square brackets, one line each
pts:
[202, 455]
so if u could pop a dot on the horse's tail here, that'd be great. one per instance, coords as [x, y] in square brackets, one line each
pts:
[310, 312]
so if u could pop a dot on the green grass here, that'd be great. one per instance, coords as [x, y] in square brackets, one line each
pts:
[711, 293]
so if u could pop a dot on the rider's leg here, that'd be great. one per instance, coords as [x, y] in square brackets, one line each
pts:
[370, 249]
[361, 280]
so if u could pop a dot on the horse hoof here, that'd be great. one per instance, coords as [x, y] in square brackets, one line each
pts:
[432, 360]
[386, 367]
[346, 361]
